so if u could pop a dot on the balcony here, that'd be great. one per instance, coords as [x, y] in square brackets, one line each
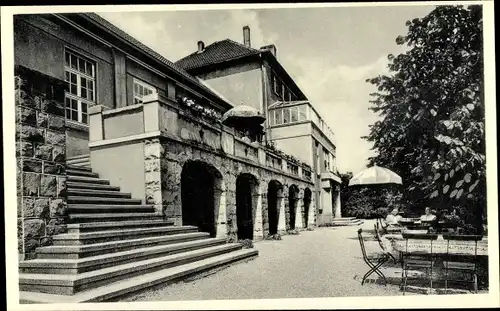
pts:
[294, 112]
[159, 116]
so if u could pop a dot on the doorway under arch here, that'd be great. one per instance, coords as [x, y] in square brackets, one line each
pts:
[199, 181]
[274, 197]
[246, 203]
[307, 204]
[293, 196]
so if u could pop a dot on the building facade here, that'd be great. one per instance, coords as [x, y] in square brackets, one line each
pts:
[249, 76]
[122, 153]
[98, 66]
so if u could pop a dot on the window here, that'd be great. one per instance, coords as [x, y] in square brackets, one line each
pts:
[289, 96]
[142, 89]
[326, 156]
[80, 75]
[279, 88]
[279, 116]
[285, 93]
[294, 114]
[274, 83]
[302, 113]
[272, 118]
[286, 115]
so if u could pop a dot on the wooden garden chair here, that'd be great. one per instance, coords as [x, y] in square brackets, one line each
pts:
[373, 263]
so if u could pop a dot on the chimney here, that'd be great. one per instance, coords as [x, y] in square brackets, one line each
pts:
[271, 48]
[201, 46]
[246, 36]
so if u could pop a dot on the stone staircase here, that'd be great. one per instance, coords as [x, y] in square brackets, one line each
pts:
[115, 245]
[346, 221]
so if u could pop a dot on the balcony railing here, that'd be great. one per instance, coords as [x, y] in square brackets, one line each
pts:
[161, 116]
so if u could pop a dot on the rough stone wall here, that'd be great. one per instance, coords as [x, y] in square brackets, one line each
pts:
[174, 155]
[41, 159]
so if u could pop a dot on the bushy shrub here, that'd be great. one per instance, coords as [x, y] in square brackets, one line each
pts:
[276, 237]
[247, 243]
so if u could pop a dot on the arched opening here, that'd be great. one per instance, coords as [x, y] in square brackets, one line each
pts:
[274, 194]
[293, 196]
[246, 203]
[200, 202]
[307, 203]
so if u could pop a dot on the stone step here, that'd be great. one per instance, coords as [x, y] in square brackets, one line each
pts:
[83, 185]
[114, 225]
[83, 251]
[64, 284]
[75, 266]
[78, 157]
[116, 235]
[98, 193]
[141, 282]
[78, 168]
[80, 164]
[73, 172]
[96, 217]
[83, 179]
[102, 200]
[104, 208]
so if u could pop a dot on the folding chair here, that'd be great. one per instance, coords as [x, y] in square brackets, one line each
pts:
[382, 246]
[463, 264]
[374, 266]
[418, 260]
[381, 226]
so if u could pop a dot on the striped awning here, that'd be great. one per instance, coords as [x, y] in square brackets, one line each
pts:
[375, 175]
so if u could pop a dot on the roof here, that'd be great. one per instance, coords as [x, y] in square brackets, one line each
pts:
[279, 104]
[216, 52]
[147, 50]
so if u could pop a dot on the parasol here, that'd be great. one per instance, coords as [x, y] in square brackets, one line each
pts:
[243, 113]
[375, 175]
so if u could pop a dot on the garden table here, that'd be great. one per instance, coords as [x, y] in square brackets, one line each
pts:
[439, 246]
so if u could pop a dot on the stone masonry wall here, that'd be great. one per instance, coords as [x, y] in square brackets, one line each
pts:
[41, 158]
[174, 155]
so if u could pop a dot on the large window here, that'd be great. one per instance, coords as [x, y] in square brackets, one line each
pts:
[142, 89]
[288, 115]
[79, 72]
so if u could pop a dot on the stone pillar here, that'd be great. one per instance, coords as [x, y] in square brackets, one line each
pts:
[152, 174]
[265, 212]
[282, 205]
[326, 201]
[258, 232]
[232, 228]
[171, 188]
[311, 218]
[96, 126]
[221, 216]
[338, 206]
[299, 212]
[41, 159]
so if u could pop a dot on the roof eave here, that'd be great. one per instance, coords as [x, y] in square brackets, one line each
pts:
[168, 69]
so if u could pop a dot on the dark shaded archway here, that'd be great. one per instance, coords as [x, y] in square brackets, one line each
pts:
[274, 197]
[198, 183]
[307, 204]
[293, 196]
[246, 190]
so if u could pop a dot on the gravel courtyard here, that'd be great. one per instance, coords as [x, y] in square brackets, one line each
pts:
[325, 262]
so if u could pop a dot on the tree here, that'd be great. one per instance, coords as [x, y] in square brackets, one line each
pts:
[432, 112]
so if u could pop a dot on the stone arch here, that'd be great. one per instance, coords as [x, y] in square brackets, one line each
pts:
[274, 198]
[247, 194]
[293, 198]
[202, 188]
[307, 199]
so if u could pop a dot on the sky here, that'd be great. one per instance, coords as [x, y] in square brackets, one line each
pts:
[329, 52]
